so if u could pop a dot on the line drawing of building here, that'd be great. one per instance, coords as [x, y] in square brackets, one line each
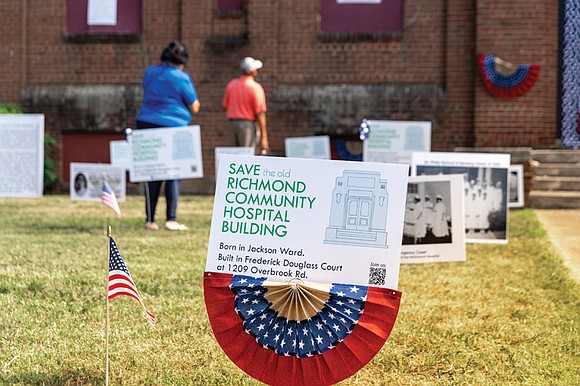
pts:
[358, 214]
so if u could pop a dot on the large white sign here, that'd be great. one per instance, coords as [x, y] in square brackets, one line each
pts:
[86, 181]
[308, 147]
[485, 179]
[166, 153]
[315, 220]
[21, 155]
[434, 230]
[395, 141]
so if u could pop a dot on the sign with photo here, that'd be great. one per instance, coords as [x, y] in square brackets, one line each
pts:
[312, 220]
[86, 181]
[308, 147]
[434, 213]
[166, 153]
[218, 151]
[21, 155]
[395, 141]
[516, 186]
[485, 180]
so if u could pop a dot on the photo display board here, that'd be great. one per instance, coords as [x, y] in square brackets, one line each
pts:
[313, 220]
[86, 181]
[166, 153]
[395, 141]
[516, 186]
[21, 155]
[317, 147]
[434, 228]
[485, 188]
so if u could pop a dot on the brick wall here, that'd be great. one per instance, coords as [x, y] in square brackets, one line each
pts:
[314, 84]
[518, 33]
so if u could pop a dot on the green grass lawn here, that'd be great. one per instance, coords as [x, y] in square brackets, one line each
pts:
[509, 315]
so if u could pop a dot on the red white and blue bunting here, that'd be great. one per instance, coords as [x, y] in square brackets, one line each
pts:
[319, 341]
[505, 80]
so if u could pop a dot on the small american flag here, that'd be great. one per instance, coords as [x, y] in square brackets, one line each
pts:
[108, 198]
[120, 282]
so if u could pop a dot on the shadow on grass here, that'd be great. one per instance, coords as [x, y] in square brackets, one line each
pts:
[65, 377]
[60, 228]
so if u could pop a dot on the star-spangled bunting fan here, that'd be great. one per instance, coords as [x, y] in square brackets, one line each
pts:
[120, 281]
[108, 197]
[342, 151]
[506, 80]
[298, 333]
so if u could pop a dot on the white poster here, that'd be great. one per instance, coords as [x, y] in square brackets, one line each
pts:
[86, 181]
[485, 179]
[314, 220]
[166, 153]
[102, 12]
[218, 151]
[308, 147]
[395, 141]
[120, 154]
[434, 213]
[516, 186]
[21, 155]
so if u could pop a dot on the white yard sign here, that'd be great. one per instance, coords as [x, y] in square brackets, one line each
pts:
[21, 155]
[315, 220]
[167, 153]
[485, 188]
[86, 181]
[395, 141]
[218, 151]
[308, 147]
[120, 154]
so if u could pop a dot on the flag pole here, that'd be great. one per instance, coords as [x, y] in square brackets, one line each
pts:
[109, 232]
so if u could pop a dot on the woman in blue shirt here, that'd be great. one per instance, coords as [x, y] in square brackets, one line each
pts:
[169, 100]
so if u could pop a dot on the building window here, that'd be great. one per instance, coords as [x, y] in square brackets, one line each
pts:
[370, 17]
[103, 17]
[230, 5]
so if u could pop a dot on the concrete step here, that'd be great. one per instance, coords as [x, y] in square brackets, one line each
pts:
[554, 200]
[558, 156]
[556, 169]
[556, 183]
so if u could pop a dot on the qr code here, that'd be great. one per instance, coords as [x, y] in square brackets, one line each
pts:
[377, 276]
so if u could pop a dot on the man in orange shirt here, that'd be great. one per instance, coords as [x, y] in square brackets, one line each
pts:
[245, 105]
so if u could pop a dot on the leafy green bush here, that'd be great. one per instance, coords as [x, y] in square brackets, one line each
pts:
[9, 109]
[51, 178]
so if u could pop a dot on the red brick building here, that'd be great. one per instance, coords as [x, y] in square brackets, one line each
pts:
[323, 71]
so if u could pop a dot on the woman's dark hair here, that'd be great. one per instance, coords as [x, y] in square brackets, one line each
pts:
[175, 52]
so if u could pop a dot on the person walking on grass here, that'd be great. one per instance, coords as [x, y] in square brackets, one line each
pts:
[245, 105]
[169, 100]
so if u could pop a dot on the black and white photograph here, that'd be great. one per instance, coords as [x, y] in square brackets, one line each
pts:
[516, 186]
[427, 213]
[433, 229]
[485, 189]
